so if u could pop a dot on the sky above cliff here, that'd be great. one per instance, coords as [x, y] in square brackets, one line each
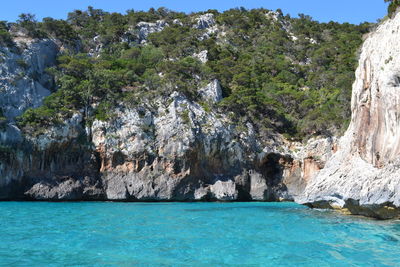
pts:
[353, 11]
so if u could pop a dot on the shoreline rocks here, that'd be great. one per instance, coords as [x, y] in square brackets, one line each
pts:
[363, 177]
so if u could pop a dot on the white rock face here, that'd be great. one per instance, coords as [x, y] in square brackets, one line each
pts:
[224, 190]
[307, 161]
[177, 22]
[146, 28]
[138, 35]
[202, 56]
[258, 187]
[320, 149]
[364, 175]
[275, 15]
[212, 92]
[175, 151]
[98, 46]
[71, 129]
[23, 80]
[205, 21]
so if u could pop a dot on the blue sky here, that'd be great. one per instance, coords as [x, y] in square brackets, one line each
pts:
[354, 11]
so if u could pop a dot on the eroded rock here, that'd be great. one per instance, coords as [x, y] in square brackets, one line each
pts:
[363, 177]
[24, 82]
[205, 21]
[212, 92]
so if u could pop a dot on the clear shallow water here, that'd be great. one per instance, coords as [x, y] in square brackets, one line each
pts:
[190, 234]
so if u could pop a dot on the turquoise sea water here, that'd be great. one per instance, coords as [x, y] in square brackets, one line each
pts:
[191, 234]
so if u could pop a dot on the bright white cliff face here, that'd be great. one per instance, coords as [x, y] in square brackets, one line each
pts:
[376, 99]
[364, 175]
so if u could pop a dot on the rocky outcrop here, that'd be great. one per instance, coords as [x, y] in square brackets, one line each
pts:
[212, 92]
[178, 151]
[205, 21]
[23, 79]
[146, 28]
[138, 35]
[363, 177]
[168, 149]
[307, 160]
[202, 56]
[174, 148]
[97, 46]
[207, 24]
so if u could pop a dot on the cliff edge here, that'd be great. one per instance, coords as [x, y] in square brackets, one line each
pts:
[363, 177]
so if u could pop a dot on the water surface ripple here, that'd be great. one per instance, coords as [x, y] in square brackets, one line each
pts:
[191, 234]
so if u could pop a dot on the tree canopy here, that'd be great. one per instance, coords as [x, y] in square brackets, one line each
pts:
[291, 75]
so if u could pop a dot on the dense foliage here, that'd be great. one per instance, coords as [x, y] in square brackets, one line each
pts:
[291, 75]
[393, 5]
[5, 36]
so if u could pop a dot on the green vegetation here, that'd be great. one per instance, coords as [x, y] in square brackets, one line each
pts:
[22, 63]
[29, 23]
[59, 29]
[393, 5]
[185, 117]
[5, 36]
[291, 75]
[2, 117]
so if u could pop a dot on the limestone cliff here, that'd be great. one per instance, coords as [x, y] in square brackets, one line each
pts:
[23, 79]
[168, 149]
[363, 177]
[172, 147]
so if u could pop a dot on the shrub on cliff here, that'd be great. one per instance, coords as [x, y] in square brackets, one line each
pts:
[59, 29]
[291, 75]
[393, 6]
[2, 117]
[29, 23]
[5, 36]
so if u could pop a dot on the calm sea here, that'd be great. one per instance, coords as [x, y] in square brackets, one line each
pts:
[191, 234]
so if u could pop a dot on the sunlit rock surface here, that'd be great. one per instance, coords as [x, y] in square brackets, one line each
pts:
[363, 177]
